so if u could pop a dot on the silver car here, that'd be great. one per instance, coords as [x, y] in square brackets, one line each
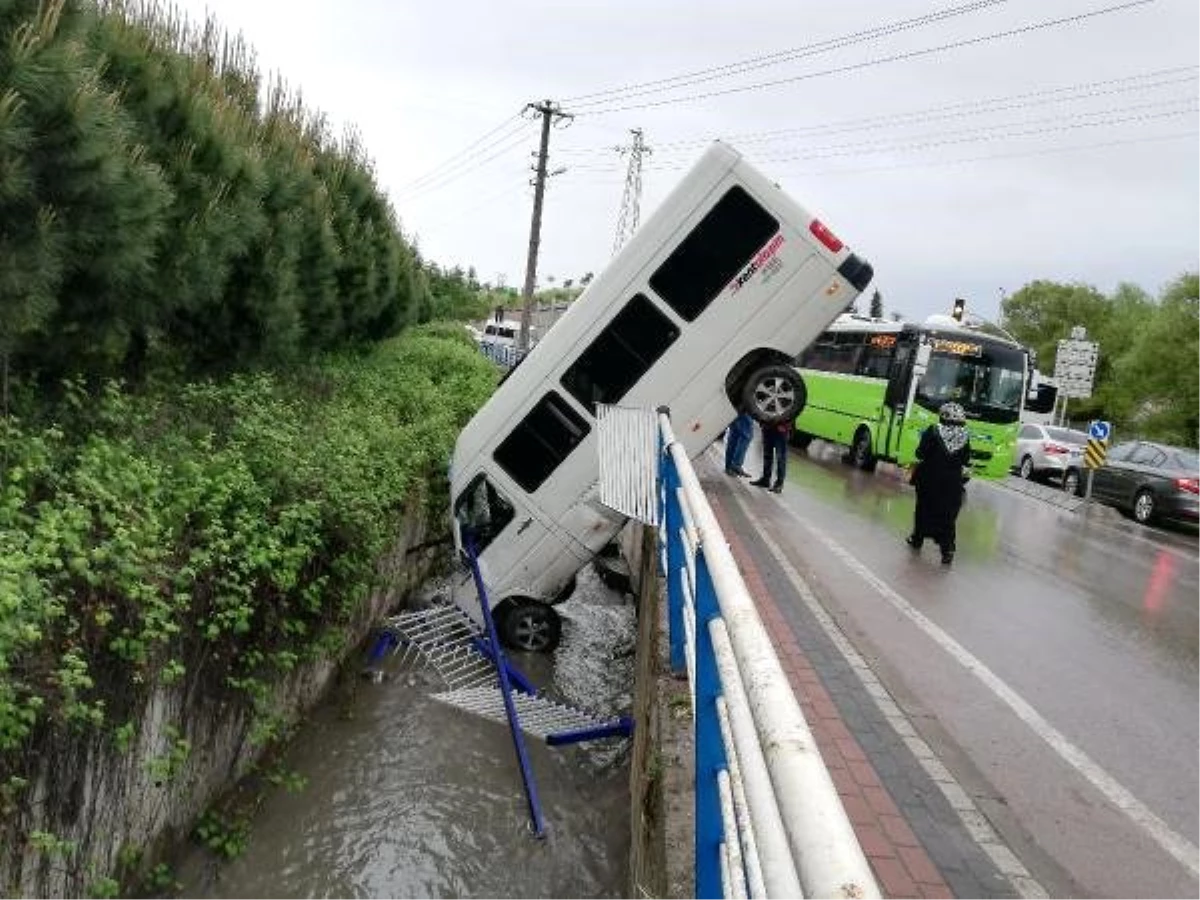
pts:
[1044, 452]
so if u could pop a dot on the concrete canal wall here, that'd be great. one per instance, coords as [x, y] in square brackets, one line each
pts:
[661, 792]
[93, 811]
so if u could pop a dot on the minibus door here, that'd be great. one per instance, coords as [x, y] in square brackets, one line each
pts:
[508, 538]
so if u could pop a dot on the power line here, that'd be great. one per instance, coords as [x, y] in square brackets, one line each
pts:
[961, 109]
[466, 153]
[776, 58]
[517, 139]
[934, 164]
[991, 133]
[925, 142]
[948, 163]
[878, 61]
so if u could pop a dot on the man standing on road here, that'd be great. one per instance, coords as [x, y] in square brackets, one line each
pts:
[775, 451]
[942, 456]
[737, 442]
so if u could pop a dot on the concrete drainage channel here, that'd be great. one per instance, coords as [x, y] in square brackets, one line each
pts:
[407, 796]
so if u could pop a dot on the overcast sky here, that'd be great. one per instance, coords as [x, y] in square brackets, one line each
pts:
[965, 148]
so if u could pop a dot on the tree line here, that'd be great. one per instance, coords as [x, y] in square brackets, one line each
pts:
[1148, 374]
[164, 206]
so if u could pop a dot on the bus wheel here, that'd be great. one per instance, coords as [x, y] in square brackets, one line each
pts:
[529, 626]
[801, 439]
[774, 394]
[860, 451]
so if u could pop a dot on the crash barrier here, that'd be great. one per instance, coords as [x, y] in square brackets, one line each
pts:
[768, 819]
[480, 680]
[504, 355]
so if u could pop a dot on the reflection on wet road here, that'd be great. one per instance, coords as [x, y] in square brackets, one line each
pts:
[407, 797]
[1059, 653]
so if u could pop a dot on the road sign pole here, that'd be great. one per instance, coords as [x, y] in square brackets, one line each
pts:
[1087, 496]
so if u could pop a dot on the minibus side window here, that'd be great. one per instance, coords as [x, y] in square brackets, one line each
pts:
[483, 511]
[541, 441]
[621, 354]
[715, 251]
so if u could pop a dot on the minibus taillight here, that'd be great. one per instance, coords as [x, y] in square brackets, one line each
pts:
[825, 236]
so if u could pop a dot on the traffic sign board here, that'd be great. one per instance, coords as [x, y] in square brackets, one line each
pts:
[1095, 453]
[1075, 367]
[1100, 430]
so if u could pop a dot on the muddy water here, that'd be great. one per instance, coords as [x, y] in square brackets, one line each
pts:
[407, 797]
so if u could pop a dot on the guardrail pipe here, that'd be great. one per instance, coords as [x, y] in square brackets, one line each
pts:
[825, 850]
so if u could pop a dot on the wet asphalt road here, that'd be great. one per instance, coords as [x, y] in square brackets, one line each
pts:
[1054, 664]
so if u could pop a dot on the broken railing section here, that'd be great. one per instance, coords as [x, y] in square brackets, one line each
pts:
[479, 679]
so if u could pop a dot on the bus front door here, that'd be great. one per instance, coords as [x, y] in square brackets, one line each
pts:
[897, 397]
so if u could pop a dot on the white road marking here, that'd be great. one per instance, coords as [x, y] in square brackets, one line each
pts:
[974, 822]
[1175, 845]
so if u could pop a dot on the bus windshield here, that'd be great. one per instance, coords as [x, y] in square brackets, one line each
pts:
[986, 380]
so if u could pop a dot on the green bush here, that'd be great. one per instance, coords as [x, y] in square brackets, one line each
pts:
[164, 210]
[236, 522]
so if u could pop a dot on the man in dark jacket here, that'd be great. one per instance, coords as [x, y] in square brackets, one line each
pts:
[775, 453]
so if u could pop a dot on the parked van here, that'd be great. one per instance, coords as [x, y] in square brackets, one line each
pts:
[505, 333]
[703, 310]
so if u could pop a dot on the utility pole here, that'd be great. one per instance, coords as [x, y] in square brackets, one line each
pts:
[550, 112]
[631, 200]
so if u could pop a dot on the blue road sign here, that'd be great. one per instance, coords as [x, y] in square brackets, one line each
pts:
[1100, 430]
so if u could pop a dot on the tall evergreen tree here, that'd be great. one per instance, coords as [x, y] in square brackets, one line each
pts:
[876, 306]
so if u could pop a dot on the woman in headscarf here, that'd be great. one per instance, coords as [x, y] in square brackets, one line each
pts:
[942, 455]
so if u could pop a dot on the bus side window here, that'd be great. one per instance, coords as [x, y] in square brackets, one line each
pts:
[832, 353]
[715, 251]
[875, 362]
[815, 352]
[483, 511]
[541, 441]
[621, 354]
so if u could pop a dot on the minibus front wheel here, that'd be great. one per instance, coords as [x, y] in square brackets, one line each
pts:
[528, 625]
[774, 394]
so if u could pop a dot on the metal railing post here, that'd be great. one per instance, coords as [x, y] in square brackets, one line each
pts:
[537, 824]
[709, 748]
[673, 516]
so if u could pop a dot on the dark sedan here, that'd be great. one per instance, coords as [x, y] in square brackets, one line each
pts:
[1150, 481]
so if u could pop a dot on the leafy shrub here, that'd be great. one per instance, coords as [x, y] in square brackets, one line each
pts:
[246, 517]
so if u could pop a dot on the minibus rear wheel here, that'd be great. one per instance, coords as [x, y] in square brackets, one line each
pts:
[529, 626]
[774, 394]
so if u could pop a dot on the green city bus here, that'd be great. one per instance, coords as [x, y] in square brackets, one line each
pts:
[874, 386]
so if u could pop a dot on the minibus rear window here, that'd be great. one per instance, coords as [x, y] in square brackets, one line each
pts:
[541, 441]
[713, 253]
[621, 354]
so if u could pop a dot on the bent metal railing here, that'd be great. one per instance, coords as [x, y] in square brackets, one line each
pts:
[769, 822]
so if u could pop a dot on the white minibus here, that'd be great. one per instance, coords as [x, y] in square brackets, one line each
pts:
[704, 310]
